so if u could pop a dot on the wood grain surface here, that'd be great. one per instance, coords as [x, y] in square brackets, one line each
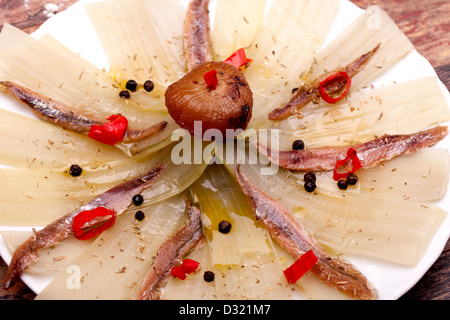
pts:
[425, 22]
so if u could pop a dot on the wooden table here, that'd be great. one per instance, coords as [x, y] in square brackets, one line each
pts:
[425, 22]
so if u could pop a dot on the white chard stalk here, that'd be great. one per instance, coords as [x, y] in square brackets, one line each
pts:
[243, 260]
[149, 44]
[391, 214]
[84, 88]
[48, 195]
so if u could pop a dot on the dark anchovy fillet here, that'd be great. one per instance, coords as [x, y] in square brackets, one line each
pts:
[170, 254]
[197, 42]
[118, 198]
[291, 235]
[311, 92]
[61, 115]
[370, 153]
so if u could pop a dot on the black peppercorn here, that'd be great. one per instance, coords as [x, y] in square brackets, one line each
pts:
[208, 276]
[298, 145]
[309, 176]
[224, 226]
[310, 186]
[352, 179]
[75, 170]
[125, 94]
[149, 85]
[131, 85]
[139, 216]
[138, 199]
[342, 184]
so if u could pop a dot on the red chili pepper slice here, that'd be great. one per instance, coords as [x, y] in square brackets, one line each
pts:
[211, 79]
[178, 272]
[352, 157]
[340, 76]
[238, 59]
[84, 223]
[300, 267]
[111, 132]
[187, 266]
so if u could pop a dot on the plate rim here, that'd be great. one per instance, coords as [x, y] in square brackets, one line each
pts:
[434, 250]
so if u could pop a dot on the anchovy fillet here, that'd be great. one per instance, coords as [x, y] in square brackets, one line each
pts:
[311, 92]
[118, 198]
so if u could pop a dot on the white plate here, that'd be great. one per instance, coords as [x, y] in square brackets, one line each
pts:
[73, 28]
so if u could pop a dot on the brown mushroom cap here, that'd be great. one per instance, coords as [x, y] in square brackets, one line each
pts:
[229, 106]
